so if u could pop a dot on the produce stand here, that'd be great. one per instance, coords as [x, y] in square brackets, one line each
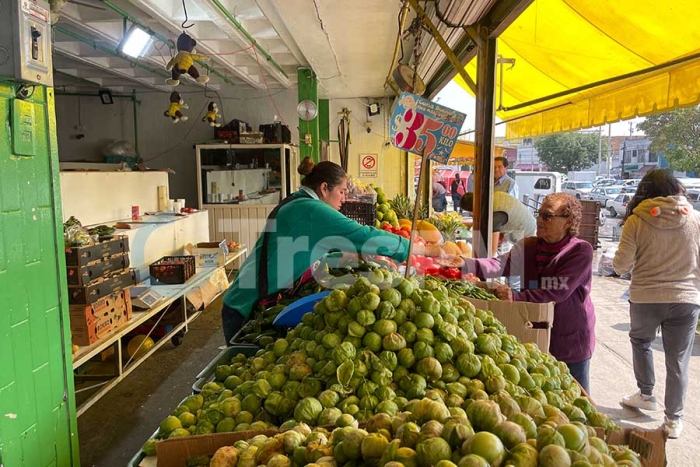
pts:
[206, 375]
[123, 365]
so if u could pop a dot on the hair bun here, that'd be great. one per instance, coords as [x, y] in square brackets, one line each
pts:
[306, 166]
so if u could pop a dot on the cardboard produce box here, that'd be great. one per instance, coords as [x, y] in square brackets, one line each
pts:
[649, 444]
[208, 254]
[175, 452]
[83, 275]
[86, 294]
[90, 323]
[83, 255]
[529, 322]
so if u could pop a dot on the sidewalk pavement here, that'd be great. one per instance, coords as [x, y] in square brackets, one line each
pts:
[612, 376]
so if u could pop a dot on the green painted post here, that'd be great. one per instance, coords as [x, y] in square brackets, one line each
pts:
[308, 90]
[37, 399]
[324, 120]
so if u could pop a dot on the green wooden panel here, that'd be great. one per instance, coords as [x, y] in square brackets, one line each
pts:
[38, 426]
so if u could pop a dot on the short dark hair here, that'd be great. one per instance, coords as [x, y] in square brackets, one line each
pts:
[502, 159]
[323, 172]
[657, 182]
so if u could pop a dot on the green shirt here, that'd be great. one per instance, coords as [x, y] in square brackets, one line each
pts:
[303, 231]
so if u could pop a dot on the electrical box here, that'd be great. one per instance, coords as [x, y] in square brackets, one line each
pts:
[25, 41]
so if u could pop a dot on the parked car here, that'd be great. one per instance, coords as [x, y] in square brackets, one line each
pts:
[690, 183]
[606, 182]
[606, 193]
[578, 189]
[618, 206]
[631, 183]
[694, 198]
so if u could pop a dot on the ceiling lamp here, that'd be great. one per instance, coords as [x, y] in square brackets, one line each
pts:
[135, 42]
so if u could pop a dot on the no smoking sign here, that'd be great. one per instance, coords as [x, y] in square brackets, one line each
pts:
[368, 166]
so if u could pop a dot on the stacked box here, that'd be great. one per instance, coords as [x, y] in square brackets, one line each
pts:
[98, 280]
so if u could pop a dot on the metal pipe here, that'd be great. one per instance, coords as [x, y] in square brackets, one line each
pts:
[162, 38]
[136, 123]
[109, 51]
[614, 79]
[397, 46]
[252, 40]
[87, 94]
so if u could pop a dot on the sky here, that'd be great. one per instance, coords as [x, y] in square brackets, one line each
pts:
[455, 97]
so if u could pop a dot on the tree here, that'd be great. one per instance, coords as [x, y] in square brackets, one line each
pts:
[564, 152]
[676, 135]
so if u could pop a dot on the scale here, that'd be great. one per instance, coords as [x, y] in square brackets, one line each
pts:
[144, 297]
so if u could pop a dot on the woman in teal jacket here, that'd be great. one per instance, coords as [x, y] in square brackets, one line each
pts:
[298, 232]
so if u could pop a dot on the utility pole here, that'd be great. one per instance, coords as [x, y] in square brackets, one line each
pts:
[600, 150]
[609, 164]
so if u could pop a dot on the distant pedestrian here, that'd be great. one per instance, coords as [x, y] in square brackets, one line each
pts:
[457, 189]
[502, 182]
[439, 196]
[660, 246]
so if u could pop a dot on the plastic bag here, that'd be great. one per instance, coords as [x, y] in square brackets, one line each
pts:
[605, 264]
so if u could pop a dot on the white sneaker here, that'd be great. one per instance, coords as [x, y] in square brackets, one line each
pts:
[673, 428]
[640, 401]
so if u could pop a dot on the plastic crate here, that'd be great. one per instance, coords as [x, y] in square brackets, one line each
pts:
[207, 374]
[363, 213]
[173, 269]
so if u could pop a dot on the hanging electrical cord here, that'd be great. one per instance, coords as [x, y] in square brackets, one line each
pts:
[184, 8]
[344, 139]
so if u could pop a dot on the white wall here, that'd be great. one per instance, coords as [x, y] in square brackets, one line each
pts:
[163, 144]
[391, 173]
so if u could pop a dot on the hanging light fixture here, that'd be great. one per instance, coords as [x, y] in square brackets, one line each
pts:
[135, 42]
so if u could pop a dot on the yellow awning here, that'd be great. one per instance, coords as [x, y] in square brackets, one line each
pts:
[463, 153]
[560, 45]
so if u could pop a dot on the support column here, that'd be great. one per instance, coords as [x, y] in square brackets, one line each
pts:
[308, 130]
[484, 145]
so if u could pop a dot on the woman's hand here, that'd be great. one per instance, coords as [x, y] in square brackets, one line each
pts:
[434, 251]
[503, 292]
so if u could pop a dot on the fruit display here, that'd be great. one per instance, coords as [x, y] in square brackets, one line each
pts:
[429, 433]
[449, 224]
[403, 207]
[384, 211]
[382, 346]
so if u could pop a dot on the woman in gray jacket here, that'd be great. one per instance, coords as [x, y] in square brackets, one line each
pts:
[660, 246]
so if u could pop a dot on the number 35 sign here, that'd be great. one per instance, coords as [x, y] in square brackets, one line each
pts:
[424, 127]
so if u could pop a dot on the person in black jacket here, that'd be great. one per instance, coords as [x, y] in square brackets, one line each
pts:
[456, 195]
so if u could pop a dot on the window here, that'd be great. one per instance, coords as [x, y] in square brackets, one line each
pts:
[627, 157]
[641, 156]
[653, 157]
[543, 184]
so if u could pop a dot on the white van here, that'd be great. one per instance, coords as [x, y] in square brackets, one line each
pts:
[536, 185]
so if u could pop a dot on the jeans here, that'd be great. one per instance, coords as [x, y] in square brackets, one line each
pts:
[455, 202]
[232, 322]
[581, 371]
[678, 322]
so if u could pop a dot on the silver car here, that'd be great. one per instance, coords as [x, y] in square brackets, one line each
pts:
[605, 194]
[578, 189]
[618, 206]
[694, 198]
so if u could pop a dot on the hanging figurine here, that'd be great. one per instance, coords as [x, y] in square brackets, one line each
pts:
[212, 114]
[183, 62]
[176, 103]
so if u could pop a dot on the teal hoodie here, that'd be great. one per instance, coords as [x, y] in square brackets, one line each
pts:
[303, 231]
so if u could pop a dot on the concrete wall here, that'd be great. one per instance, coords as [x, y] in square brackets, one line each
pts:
[163, 144]
[391, 173]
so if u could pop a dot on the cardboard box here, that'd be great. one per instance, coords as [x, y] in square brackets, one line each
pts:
[208, 254]
[649, 444]
[86, 294]
[201, 296]
[89, 323]
[83, 275]
[83, 255]
[529, 322]
[174, 452]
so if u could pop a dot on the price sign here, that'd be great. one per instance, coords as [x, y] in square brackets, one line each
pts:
[424, 127]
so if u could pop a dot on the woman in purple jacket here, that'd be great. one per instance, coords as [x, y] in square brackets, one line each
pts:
[554, 266]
